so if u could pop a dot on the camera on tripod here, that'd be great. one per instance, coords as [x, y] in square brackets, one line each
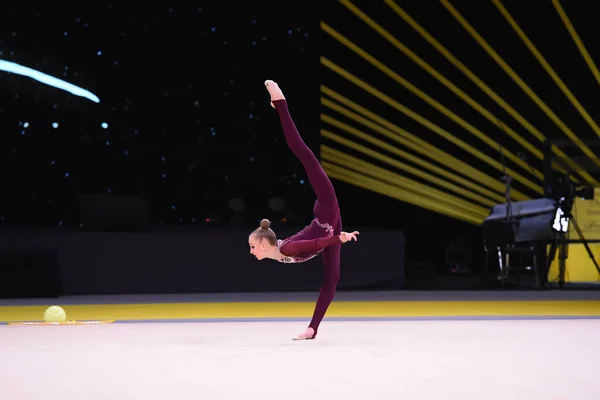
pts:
[537, 223]
[561, 185]
[564, 192]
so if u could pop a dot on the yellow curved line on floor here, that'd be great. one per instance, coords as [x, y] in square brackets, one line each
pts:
[305, 309]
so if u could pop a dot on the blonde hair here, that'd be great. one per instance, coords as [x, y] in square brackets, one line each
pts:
[265, 232]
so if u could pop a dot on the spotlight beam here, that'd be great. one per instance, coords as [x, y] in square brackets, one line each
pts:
[435, 104]
[494, 55]
[347, 128]
[575, 36]
[487, 90]
[411, 170]
[433, 127]
[360, 166]
[376, 186]
[418, 146]
[448, 84]
[548, 68]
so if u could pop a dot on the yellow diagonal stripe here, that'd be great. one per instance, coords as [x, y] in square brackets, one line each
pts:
[451, 115]
[414, 171]
[559, 82]
[418, 146]
[518, 80]
[433, 127]
[356, 132]
[352, 163]
[359, 180]
[452, 87]
[575, 36]
[487, 90]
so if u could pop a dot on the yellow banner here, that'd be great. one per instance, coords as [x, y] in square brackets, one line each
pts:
[587, 215]
[579, 265]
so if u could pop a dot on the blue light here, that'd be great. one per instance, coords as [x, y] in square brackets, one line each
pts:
[67, 174]
[107, 142]
[104, 125]
[47, 79]
[302, 181]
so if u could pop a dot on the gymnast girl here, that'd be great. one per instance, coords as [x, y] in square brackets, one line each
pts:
[323, 236]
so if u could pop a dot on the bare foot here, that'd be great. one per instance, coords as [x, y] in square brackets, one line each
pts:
[308, 334]
[274, 91]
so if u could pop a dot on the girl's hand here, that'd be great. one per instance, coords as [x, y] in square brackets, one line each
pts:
[345, 236]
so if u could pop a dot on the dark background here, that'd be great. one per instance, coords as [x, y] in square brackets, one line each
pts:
[179, 99]
[189, 122]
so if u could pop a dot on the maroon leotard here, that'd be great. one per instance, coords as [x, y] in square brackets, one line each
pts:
[321, 236]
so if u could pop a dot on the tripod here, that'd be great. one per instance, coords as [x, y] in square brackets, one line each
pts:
[507, 179]
[501, 236]
[561, 243]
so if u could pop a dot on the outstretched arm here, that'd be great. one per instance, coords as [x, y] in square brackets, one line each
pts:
[295, 247]
[316, 175]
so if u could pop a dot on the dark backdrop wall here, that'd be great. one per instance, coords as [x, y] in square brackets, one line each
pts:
[184, 120]
[482, 83]
[181, 90]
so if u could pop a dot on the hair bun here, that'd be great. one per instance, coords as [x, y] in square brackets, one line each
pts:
[265, 224]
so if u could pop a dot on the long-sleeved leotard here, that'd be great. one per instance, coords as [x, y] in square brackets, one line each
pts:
[322, 235]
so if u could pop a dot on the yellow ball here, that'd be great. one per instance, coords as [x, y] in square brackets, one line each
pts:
[55, 314]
